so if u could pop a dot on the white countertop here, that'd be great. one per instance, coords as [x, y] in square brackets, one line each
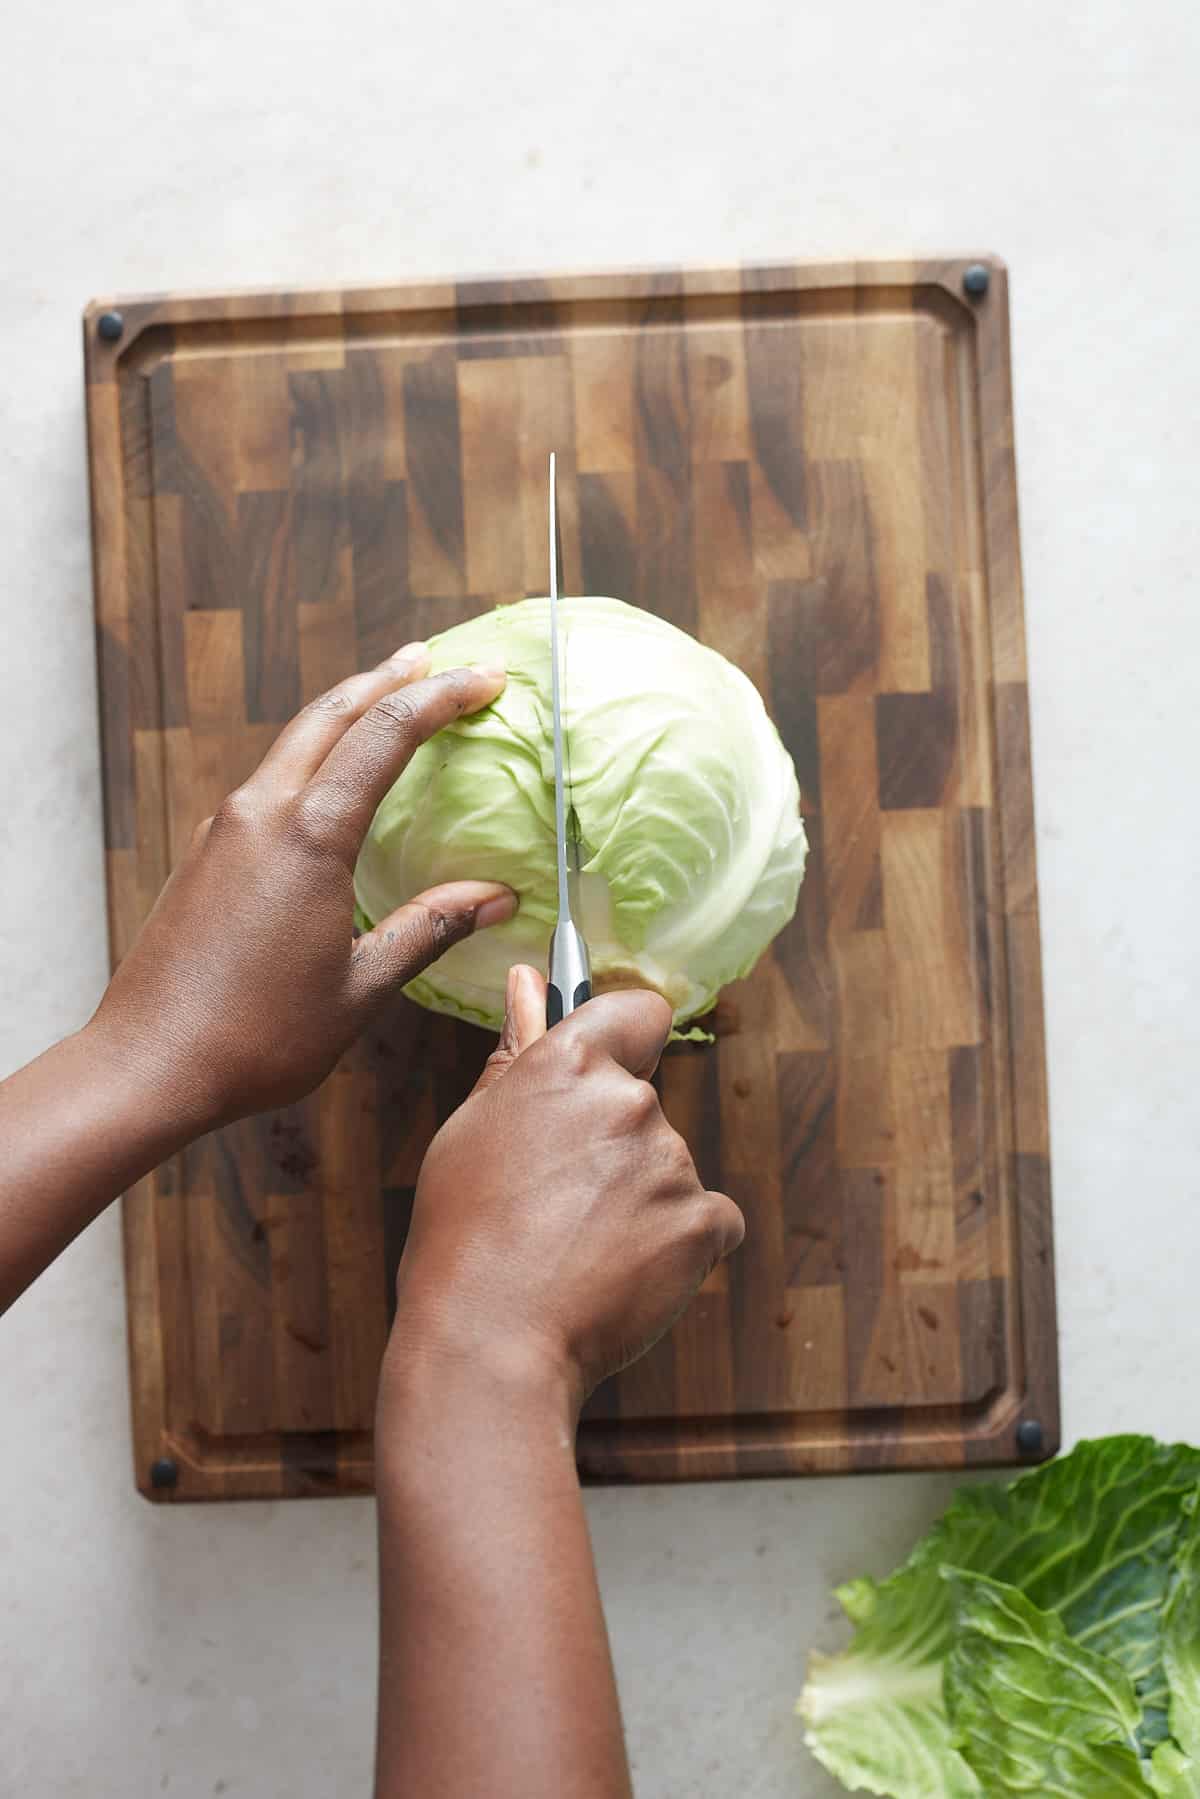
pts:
[198, 144]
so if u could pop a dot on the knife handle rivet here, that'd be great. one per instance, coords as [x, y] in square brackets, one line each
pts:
[109, 326]
[976, 280]
[1029, 1436]
[164, 1472]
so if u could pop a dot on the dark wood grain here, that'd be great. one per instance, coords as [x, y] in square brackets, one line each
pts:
[810, 468]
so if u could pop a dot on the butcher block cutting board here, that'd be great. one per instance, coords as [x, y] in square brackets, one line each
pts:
[811, 468]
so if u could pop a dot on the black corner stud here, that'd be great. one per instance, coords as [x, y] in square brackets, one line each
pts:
[1029, 1436]
[164, 1472]
[110, 326]
[975, 280]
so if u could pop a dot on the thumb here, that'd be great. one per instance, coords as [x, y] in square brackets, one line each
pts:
[414, 935]
[524, 1023]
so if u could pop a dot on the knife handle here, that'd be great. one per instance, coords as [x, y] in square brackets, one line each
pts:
[569, 982]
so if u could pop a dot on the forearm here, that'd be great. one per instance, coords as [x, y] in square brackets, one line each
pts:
[77, 1127]
[495, 1673]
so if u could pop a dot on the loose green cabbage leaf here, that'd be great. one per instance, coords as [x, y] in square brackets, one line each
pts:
[1033, 1711]
[687, 803]
[884, 1729]
[1172, 1774]
[1181, 1635]
[1175, 1771]
[875, 1714]
[1092, 1539]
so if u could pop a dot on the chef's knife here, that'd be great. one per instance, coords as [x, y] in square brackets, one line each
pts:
[570, 976]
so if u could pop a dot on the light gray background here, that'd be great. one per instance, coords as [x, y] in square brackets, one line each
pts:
[194, 143]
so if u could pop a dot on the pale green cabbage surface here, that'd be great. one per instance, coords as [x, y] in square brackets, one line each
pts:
[687, 801]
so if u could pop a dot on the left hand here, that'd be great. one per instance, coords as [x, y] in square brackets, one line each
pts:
[246, 984]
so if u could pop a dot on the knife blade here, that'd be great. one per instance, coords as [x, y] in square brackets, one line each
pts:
[569, 981]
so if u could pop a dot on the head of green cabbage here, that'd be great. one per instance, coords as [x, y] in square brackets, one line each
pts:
[688, 808]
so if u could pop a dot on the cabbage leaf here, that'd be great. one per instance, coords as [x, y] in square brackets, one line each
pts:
[1102, 1542]
[1033, 1710]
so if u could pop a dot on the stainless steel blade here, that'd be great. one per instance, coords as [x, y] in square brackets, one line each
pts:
[560, 801]
[569, 982]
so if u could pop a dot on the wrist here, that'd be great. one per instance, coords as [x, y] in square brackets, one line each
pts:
[443, 1367]
[170, 1092]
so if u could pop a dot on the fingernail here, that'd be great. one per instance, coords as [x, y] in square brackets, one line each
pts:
[411, 652]
[510, 989]
[490, 671]
[495, 911]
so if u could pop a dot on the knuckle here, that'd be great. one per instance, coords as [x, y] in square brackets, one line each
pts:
[727, 1221]
[395, 712]
[316, 817]
[679, 1156]
[417, 937]
[238, 811]
[704, 1228]
[641, 1103]
[442, 928]
[574, 1052]
[458, 681]
[499, 1062]
[335, 701]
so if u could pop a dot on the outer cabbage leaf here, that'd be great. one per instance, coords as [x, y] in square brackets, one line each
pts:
[1090, 1537]
[1172, 1774]
[1175, 1770]
[687, 804]
[878, 1723]
[1031, 1709]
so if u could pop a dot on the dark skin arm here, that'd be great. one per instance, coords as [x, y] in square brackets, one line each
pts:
[530, 1273]
[245, 984]
[558, 1228]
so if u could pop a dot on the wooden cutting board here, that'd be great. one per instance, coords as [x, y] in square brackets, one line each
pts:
[812, 470]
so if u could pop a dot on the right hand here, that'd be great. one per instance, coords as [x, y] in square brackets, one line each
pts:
[559, 1221]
